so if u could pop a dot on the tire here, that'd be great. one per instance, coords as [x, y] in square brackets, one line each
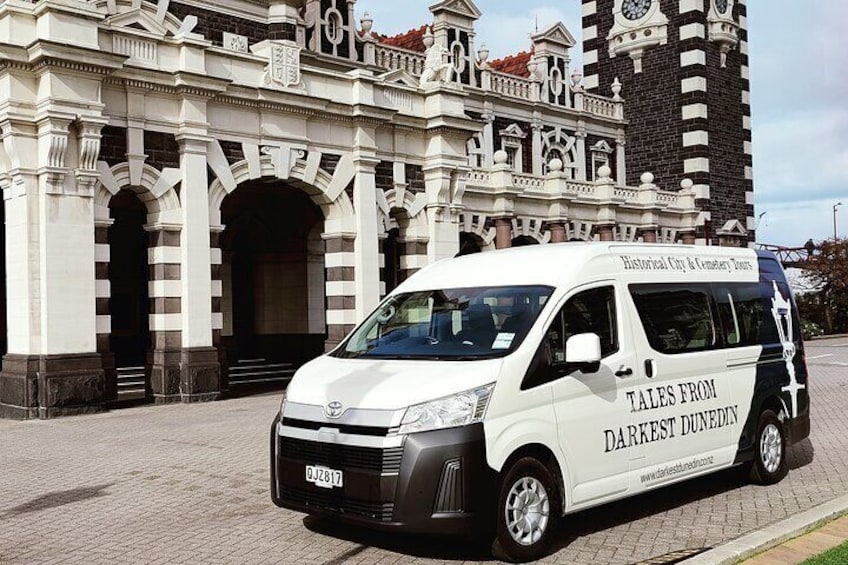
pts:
[529, 499]
[770, 464]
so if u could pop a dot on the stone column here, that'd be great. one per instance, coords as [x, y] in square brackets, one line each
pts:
[488, 136]
[620, 160]
[580, 135]
[216, 267]
[538, 158]
[340, 286]
[103, 294]
[649, 235]
[164, 263]
[200, 378]
[18, 381]
[557, 230]
[366, 246]
[443, 236]
[503, 233]
[52, 368]
[606, 232]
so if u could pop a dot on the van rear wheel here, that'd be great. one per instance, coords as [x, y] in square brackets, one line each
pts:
[770, 464]
[529, 507]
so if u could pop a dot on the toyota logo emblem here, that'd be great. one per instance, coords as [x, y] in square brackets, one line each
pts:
[333, 409]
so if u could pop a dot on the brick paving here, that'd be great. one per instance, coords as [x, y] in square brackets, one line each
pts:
[189, 484]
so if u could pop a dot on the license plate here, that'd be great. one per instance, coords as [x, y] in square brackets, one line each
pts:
[323, 477]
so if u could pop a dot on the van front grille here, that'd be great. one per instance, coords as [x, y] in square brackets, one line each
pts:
[381, 511]
[342, 457]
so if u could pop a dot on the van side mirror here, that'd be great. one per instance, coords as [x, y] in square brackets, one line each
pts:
[583, 352]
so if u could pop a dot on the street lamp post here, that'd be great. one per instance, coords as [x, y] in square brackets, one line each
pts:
[835, 206]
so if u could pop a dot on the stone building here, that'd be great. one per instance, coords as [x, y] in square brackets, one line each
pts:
[188, 185]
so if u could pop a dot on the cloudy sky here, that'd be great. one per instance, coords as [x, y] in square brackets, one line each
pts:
[799, 73]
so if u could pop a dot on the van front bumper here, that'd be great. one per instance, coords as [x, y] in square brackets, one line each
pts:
[436, 483]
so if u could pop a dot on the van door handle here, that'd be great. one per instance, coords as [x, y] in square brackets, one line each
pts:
[649, 368]
[624, 372]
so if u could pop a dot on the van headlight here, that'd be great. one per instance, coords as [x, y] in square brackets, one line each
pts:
[282, 408]
[459, 409]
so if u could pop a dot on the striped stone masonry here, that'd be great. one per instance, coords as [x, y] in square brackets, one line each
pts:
[339, 261]
[215, 262]
[165, 313]
[103, 293]
[744, 73]
[414, 258]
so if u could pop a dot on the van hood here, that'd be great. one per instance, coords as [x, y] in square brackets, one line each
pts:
[379, 384]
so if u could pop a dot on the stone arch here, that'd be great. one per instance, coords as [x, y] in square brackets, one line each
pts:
[337, 209]
[627, 232]
[317, 307]
[557, 144]
[404, 235]
[125, 345]
[414, 207]
[530, 228]
[476, 224]
[154, 189]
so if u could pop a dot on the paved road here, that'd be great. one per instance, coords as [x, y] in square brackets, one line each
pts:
[188, 484]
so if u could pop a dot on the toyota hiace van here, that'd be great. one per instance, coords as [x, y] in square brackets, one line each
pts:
[503, 390]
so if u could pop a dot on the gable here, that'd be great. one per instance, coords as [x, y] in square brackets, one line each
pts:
[465, 8]
[153, 18]
[558, 34]
[733, 227]
[399, 76]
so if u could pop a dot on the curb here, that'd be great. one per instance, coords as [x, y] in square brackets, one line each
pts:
[826, 337]
[773, 535]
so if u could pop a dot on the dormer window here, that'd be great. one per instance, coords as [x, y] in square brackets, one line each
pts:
[512, 139]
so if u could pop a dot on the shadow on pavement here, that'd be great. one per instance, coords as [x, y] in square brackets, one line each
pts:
[572, 527]
[56, 499]
[801, 454]
[431, 547]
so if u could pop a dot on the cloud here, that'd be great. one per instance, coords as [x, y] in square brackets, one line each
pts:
[802, 155]
[506, 32]
[505, 27]
[790, 224]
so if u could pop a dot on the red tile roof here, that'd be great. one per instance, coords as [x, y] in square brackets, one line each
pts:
[513, 64]
[412, 39]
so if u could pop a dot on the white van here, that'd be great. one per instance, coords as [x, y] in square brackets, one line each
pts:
[506, 389]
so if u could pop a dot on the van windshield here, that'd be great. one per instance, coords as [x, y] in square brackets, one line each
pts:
[448, 324]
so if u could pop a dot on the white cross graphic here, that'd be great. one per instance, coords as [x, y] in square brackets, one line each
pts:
[781, 310]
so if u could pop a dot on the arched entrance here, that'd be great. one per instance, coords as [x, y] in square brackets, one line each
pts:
[273, 305]
[129, 303]
[523, 240]
[470, 243]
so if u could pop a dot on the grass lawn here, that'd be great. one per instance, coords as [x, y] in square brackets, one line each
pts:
[836, 556]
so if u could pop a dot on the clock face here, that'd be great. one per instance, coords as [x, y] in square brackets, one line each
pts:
[721, 6]
[635, 9]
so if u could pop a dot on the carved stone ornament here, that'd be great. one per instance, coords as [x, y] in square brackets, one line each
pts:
[723, 29]
[284, 65]
[635, 30]
[438, 68]
[283, 69]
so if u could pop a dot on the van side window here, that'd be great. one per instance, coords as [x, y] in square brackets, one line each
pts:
[591, 311]
[676, 318]
[740, 309]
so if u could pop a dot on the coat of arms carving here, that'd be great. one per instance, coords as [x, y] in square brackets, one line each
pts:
[283, 67]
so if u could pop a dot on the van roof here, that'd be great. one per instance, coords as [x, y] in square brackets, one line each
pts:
[553, 264]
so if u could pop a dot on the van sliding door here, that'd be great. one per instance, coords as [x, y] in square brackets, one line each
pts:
[684, 402]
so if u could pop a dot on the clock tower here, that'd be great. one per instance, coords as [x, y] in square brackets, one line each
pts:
[683, 70]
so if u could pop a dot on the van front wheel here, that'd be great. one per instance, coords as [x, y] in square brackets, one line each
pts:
[770, 464]
[529, 507]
